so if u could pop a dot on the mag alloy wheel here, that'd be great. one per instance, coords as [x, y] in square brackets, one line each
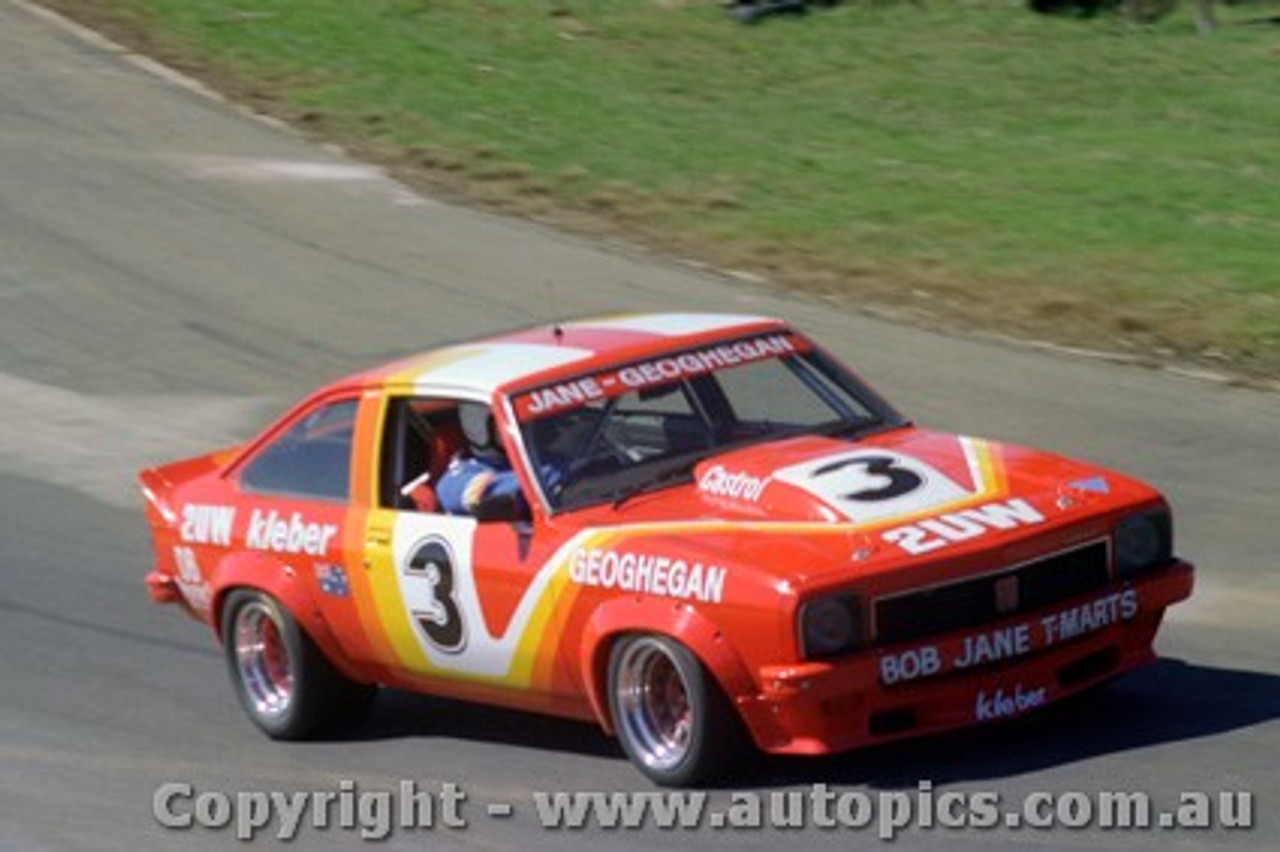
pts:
[286, 684]
[263, 661]
[656, 713]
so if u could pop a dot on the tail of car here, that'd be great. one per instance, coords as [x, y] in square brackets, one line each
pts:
[161, 486]
[160, 482]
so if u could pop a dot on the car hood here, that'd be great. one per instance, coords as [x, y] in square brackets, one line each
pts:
[897, 477]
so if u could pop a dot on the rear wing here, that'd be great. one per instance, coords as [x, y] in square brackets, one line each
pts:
[158, 483]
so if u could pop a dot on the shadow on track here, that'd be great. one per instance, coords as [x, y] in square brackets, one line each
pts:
[1168, 702]
[411, 715]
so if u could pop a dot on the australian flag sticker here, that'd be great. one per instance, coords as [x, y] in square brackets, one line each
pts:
[332, 579]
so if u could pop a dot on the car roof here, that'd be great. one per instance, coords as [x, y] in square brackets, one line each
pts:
[541, 354]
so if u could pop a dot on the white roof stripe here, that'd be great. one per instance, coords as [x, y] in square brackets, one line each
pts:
[489, 365]
[672, 325]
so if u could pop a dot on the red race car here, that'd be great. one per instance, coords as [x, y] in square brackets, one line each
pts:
[699, 531]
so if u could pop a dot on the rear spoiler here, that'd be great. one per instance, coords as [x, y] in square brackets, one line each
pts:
[155, 490]
[158, 483]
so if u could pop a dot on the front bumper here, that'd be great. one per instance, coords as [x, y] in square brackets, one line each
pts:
[979, 674]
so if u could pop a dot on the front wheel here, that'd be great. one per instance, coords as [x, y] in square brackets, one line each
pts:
[285, 683]
[670, 715]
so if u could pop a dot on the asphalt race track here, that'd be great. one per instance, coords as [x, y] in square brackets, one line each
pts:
[172, 272]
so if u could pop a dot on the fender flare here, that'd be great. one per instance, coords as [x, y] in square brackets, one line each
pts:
[679, 621]
[265, 573]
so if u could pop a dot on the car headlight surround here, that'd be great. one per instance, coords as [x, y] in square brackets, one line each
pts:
[831, 626]
[1142, 541]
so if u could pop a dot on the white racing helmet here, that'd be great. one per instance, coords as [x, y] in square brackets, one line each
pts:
[476, 421]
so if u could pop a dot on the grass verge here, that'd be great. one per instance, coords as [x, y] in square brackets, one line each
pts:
[968, 164]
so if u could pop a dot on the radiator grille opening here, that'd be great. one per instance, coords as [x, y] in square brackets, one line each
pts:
[981, 600]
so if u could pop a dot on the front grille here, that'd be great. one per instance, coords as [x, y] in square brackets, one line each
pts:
[967, 603]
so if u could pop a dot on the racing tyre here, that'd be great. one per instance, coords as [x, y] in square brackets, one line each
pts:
[285, 683]
[670, 715]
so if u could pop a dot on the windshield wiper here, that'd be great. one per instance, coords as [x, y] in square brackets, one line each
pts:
[854, 428]
[668, 477]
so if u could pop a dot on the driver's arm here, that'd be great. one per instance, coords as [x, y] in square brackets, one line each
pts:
[466, 481]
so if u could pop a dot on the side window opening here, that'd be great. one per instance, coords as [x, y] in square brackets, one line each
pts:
[420, 437]
[311, 459]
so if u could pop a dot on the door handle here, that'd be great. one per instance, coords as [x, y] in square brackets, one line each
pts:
[375, 538]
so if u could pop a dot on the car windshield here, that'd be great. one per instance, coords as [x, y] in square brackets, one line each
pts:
[608, 435]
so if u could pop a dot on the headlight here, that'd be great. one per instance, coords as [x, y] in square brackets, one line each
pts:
[1142, 542]
[830, 626]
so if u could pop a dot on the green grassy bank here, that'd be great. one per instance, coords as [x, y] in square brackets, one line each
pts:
[966, 163]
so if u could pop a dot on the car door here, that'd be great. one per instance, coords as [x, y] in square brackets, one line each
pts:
[294, 494]
[460, 600]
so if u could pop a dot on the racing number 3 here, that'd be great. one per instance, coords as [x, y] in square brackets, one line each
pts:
[439, 618]
[881, 478]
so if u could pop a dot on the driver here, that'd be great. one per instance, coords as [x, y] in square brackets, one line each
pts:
[481, 470]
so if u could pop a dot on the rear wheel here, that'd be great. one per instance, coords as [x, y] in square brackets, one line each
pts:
[670, 715]
[285, 683]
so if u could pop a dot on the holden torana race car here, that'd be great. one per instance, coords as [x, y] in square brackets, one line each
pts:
[699, 531]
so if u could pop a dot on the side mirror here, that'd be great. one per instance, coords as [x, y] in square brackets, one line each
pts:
[502, 507]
